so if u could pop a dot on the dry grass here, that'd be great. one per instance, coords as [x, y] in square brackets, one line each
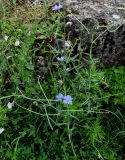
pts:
[25, 12]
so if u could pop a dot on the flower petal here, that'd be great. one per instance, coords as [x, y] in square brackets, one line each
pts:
[57, 7]
[59, 96]
[1, 130]
[10, 105]
[60, 58]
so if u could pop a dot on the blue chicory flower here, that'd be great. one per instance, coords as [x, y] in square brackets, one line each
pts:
[57, 7]
[59, 96]
[61, 59]
[67, 99]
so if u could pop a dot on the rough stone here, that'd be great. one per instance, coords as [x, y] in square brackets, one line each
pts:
[110, 47]
[111, 10]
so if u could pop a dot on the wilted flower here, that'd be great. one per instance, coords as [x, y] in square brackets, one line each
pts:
[68, 69]
[57, 7]
[17, 43]
[1, 130]
[29, 33]
[68, 44]
[59, 96]
[67, 99]
[69, 24]
[10, 105]
[35, 4]
[6, 37]
[60, 58]
[60, 82]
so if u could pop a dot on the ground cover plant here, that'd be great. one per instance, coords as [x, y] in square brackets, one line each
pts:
[57, 101]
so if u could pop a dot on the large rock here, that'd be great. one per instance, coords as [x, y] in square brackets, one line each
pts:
[110, 47]
[111, 10]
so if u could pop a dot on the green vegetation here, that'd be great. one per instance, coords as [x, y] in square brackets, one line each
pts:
[89, 124]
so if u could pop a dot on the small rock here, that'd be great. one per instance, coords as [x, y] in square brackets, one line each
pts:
[116, 16]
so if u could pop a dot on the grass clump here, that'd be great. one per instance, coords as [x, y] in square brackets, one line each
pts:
[60, 108]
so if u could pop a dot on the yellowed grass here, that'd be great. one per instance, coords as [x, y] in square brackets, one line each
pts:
[24, 12]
